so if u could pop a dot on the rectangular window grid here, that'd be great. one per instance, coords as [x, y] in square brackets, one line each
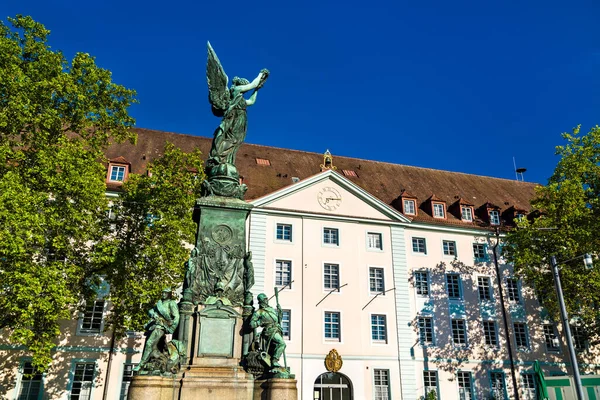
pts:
[331, 276]
[332, 325]
[449, 247]
[374, 241]
[127, 375]
[82, 381]
[466, 213]
[453, 286]
[479, 252]
[418, 245]
[550, 338]
[425, 330]
[117, 174]
[494, 217]
[465, 389]
[529, 388]
[497, 385]
[284, 232]
[286, 321]
[31, 383]
[409, 207]
[512, 286]
[382, 384]
[378, 328]
[438, 210]
[422, 283]
[459, 332]
[484, 286]
[521, 335]
[283, 272]
[490, 333]
[92, 317]
[430, 382]
[376, 282]
[579, 337]
[330, 236]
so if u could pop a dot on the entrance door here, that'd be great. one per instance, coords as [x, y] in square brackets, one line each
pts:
[332, 386]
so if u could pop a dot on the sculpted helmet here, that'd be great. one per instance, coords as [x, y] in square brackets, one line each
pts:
[262, 297]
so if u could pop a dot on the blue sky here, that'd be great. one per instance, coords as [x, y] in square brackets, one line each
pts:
[460, 86]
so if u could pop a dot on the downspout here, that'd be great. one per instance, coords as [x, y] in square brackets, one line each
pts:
[108, 365]
[504, 319]
[302, 305]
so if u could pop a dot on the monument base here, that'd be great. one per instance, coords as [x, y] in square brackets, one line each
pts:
[216, 382]
[149, 387]
[276, 389]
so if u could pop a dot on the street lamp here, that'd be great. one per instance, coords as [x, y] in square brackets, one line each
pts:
[588, 262]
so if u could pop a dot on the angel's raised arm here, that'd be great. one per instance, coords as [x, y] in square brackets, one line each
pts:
[258, 81]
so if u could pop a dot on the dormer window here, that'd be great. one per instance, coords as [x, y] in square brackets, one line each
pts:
[466, 213]
[409, 207]
[117, 173]
[438, 210]
[494, 217]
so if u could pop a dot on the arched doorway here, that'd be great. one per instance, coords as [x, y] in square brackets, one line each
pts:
[332, 386]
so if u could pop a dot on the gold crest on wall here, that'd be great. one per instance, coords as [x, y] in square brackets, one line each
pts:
[333, 361]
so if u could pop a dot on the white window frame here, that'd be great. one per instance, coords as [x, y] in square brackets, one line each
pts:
[414, 207]
[525, 336]
[369, 247]
[480, 259]
[339, 277]
[578, 332]
[287, 337]
[551, 337]
[466, 216]
[488, 288]
[381, 391]
[490, 322]
[339, 323]
[425, 343]
[385, 328]
[327, 244]
[284, 225]
[512, 290]
[459, 283]
[81, 331]
[374, 268]
[117, 168]
[464, 332]
[72, 377]
[21, 380]
[125, 380]
[427, 283]
[427, 388]
[291, 273]
[436, 210]
[412, 241]
[462, 393]
[494, 217]
[529, 386]
[447, 244]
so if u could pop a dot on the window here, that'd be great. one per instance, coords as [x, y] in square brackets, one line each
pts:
[494, 217]
[479, 252]
[331, 236]
[409, 207]
[466, 213]
[283, 273]
[512, 286]
[490, 333]
[465, 389]
[430, 382]
[438, 210]
[419, 246]
[286, 320]
[378, 328]
[331, 276]
[449, 247]
[284, 232]
[459, 332]
[92, 317]
[453, 286]
[579, 336]
[117, 174]
[529, 389]
[332, 326]
[82, 381]
[422, 283]
[382, 384]
[521, 335]
[497, 385]
[374, 241]
[127, 375]
[376, 282]
[484, 285]
[550, 337]
[425, 330]
[31, 383]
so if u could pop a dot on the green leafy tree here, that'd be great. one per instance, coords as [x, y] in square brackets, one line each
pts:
[56, 118]
[152, 231]
[567, 227]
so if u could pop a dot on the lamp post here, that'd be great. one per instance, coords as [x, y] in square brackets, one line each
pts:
[587, 259]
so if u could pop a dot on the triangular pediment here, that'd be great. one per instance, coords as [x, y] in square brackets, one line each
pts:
[329, 193]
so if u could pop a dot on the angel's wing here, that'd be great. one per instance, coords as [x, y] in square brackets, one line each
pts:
[218, 94]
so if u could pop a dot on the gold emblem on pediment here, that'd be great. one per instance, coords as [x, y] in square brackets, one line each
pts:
[333, 361]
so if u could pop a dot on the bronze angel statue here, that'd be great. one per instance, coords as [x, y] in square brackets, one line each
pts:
[230, 104]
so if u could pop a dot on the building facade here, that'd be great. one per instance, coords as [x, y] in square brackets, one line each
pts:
[391, 266]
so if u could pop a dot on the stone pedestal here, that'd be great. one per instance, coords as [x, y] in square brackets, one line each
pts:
[276, 389]
[147, 387]
[216, 381]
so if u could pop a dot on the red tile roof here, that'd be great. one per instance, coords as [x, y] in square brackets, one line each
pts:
[385, 181]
